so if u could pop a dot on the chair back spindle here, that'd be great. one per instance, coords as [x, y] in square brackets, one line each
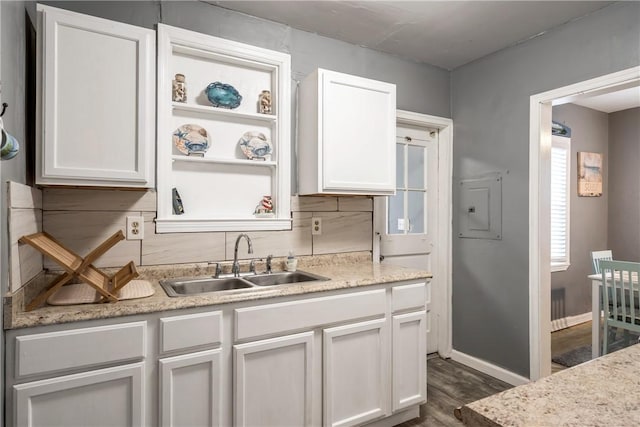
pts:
[620, 289]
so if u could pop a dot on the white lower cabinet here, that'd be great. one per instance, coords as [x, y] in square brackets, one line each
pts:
[356, 373]
[409, 361]
[105, 397]
[273, 381]
[190, 391]
[341, 358]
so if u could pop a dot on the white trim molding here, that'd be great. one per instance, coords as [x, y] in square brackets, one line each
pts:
[489, 368]
[539, 210]
[569, 321]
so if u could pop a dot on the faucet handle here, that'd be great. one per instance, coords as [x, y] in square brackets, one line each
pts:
[269, 258]
[218, 269]
[252, 266]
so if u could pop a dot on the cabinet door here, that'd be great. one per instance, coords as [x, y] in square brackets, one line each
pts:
[190, 390]
[358, 134]
[97, 101]
[409, 359]
[273, 381]
[106, 397]
[356, 373]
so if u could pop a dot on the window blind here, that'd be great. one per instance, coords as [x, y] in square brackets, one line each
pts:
[560, 168]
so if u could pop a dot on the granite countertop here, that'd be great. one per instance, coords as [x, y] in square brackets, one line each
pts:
[344, 270]
[601, 392]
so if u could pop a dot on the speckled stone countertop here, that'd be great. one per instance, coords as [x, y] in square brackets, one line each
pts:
[344, 270]
[601, 392]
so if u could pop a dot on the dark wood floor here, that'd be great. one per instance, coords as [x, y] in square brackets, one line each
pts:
[569, 339]
[450, 384]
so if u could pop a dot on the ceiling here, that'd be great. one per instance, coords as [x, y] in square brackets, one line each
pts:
[612, 101]
[447, 34]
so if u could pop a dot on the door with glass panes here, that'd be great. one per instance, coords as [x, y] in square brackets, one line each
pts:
[407, 222]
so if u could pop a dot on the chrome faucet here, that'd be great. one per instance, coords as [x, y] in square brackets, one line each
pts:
[235, 269]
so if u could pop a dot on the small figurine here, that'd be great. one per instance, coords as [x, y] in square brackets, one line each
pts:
[179, 92]
[264, 102]
[265, 207]
[178, 208]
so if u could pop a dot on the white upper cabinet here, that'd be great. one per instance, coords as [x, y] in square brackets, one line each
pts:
[95, 103]
[222, 157]
[346, 141]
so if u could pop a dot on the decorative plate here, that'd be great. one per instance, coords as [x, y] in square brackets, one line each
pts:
[223, 95]
[191, 139]
[255, 145]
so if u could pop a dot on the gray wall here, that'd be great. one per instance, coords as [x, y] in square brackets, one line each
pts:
[490, 99]
[624, 184]
[12, 75]
[570, 289]
[12, 70]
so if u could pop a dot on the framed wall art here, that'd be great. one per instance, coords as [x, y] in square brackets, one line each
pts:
[589, 174]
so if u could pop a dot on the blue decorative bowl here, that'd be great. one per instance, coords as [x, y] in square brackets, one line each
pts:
[223, 95]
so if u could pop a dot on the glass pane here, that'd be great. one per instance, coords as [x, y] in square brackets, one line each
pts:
[416, 211]
[396, 213]
[416, 167]
[400, 165]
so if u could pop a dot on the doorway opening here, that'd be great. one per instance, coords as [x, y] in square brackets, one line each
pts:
[540, 143]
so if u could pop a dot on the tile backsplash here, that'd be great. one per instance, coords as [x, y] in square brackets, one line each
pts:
[82, 218]
[25, 217]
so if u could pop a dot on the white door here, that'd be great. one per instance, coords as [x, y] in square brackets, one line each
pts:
[273, 382]
[356, 373]
[190, 390]
[106, 397]
[407, 222]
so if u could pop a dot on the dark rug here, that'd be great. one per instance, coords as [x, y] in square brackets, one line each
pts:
[583, 354]
[574, 357]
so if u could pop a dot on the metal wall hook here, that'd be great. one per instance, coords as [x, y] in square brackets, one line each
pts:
[4, 108]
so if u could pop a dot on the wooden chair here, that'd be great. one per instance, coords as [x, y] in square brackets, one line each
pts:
[620, 289]
[597, 256]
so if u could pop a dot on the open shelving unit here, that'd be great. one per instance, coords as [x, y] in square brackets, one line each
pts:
[221, 189]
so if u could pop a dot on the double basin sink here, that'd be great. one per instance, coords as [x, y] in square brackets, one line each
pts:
[201, 285]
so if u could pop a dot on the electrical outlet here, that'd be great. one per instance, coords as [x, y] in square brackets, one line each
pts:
[135, 228]
[316, 226]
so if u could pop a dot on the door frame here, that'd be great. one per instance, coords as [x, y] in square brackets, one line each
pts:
[539, 207]
[443, 239]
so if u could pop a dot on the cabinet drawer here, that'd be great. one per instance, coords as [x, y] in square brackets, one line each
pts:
[406, 297]
[193, 330]
[78, 348]
[308, 314]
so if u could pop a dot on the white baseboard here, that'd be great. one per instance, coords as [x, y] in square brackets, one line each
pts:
[567, 322]
[488, 368]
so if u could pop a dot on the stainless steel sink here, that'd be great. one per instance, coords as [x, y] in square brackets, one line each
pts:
[201, 285]
[185, 286]
[283, 278]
